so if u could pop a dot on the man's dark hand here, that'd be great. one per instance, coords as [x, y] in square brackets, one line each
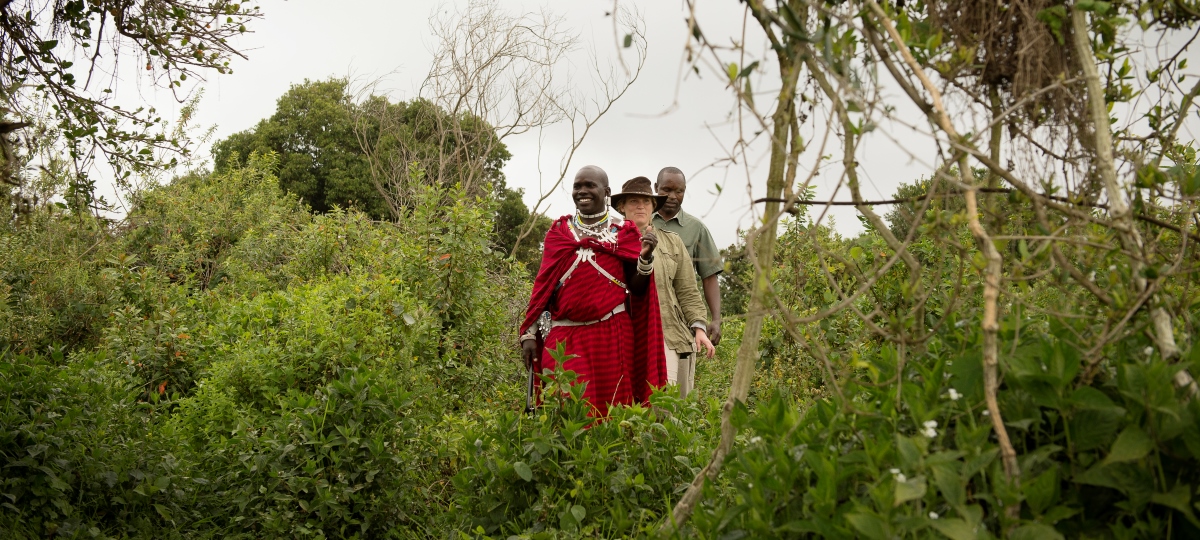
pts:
[529, 352]
[649, 242]
[714, 332]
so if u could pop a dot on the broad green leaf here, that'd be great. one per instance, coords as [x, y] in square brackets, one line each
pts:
[1131, 445]
[1035, 531]
[578, 512]
[955, 528]
[1094, 428]
[628, 40]
[523, 471]
[1179, 498]
[1058, 513]
[950, 484]
[733, 70]
[1090, 398]
[1042, 491]
[1098, 475]
[910, 453]
[869, 525]
[913, 488]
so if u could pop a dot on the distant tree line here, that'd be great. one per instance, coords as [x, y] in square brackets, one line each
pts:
[336, 151]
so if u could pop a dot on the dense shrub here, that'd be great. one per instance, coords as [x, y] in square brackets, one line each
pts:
[81, 456]
[52, 291]
[336, 462]
[559, 473]
[1116, 458]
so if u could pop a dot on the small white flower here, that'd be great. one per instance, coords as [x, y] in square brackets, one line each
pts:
[1111, 268]
[986, 412]
[755, 439]
[1148, 350]
[933, 515]
[930, 429]
[901, 478]
[954, 395]
[949, 362]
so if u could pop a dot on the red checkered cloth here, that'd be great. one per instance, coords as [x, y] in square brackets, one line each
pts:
[621, 359]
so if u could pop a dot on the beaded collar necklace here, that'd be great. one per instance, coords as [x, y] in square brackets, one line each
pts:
[594, 229]
[602, 213]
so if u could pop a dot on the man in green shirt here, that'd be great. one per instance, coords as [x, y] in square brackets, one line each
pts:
[705, 256]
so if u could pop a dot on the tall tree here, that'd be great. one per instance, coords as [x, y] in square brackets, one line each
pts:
[60, 57]
[320, 160]
[330, 148]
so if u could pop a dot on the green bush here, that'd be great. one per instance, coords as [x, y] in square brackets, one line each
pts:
[52, 291]
[81, 457]
[331, 463]
[1119, 458]
[558, 472]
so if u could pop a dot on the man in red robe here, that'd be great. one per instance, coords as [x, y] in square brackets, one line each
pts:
[596, 283]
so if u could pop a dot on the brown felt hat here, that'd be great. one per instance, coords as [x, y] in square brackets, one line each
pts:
[638, 187]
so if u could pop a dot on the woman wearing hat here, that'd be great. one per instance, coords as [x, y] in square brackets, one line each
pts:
[683, 313]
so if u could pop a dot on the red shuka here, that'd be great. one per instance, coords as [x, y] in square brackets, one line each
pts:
[621, 359]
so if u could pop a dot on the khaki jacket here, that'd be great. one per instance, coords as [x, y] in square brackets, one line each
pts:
[679, 298]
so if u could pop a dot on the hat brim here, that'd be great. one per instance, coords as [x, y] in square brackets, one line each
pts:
[617, 199]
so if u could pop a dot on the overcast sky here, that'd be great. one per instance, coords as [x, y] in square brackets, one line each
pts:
[666, 118]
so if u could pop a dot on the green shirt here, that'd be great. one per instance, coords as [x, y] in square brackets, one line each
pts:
[705, 255]
[679, 299]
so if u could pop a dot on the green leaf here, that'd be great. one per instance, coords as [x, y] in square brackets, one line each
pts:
[950, 484]
[1092, 428]
[1091, 398]
[868, 524]
[748, 69]
[955, 528]
[910, 453]
[733, 71]
[913, 488]
[1035, 531]
[1179, 498]
[628, 40]
[1058, 513]
[523, 471]
[1042, 491]
[1098, 475]
[578, 512]
[1131, 445]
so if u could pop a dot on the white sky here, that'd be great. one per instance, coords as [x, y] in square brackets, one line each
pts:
[391, 41]
[371, 39]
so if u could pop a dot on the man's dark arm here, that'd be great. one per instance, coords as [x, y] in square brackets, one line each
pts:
[712, 296]
[637, 282]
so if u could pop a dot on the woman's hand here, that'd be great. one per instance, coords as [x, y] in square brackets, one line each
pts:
[703, 344]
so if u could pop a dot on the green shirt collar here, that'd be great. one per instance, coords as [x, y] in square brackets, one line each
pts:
[681, 216]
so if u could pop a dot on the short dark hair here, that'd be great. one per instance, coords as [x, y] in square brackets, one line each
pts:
[670, 170]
